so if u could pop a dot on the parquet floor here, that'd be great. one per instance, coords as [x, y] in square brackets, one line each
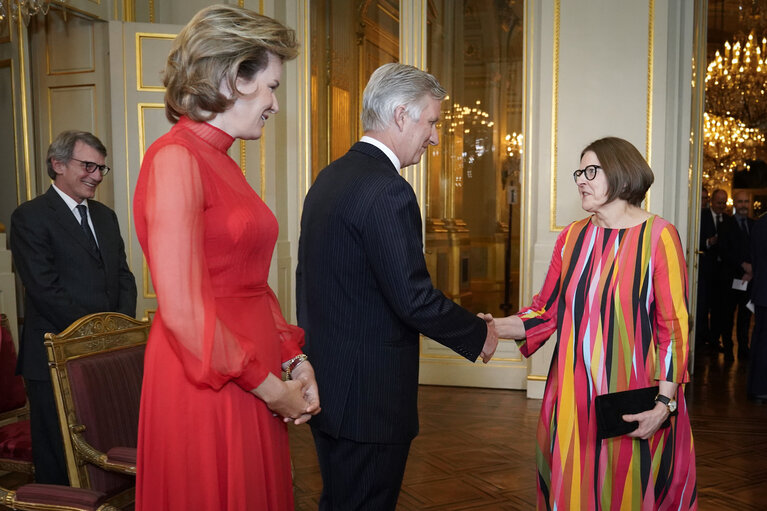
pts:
[476, 447]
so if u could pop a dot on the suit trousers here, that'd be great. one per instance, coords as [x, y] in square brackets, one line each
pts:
[359, 476]
[757, 364]
[47, 443]
[736, 301]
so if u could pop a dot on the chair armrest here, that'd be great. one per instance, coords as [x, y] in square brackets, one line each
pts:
[17, 413]
[92, 455]
[50, 497]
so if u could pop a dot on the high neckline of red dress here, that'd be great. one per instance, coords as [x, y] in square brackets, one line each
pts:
[219, 139]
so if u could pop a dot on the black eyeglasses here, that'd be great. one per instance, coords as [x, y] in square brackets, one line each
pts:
[90, 167]
[590, 172]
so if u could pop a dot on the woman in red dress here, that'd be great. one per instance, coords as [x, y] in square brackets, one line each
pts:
[212, 432]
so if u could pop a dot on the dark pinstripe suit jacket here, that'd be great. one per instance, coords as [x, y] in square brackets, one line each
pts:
[64, 278]
[758, 262]
[363, 296]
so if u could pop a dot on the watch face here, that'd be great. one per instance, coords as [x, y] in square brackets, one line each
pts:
[672, 406]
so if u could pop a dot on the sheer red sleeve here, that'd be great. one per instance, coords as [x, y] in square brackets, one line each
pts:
[211, 354]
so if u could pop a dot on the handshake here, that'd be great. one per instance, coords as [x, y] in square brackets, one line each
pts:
[510, 327]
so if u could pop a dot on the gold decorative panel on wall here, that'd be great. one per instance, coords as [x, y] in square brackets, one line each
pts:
[79, 34]
[72, 106]
[152, 51]
[9, 191]
[623, 76]
[152, 124]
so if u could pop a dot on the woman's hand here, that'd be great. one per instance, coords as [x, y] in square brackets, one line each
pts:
[649, 421]
[304, 372]
[284, 398]
[510, 327]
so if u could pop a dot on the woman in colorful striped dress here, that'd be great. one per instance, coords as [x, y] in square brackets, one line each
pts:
[616, 293]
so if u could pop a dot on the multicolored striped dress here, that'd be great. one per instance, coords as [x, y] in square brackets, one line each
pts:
[618, 300]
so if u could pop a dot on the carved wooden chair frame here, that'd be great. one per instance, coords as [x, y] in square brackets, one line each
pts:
[90, 335]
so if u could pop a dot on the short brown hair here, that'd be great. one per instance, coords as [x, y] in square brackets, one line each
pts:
[627, 172]
[221, 42]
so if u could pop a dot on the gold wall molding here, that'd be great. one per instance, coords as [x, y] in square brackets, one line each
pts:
[142, 107]
[650, 54]
[25, 106]
[92, 49]
[91, 87]
[553, 225]
[140, 37]
[9, 64]
[554, 121]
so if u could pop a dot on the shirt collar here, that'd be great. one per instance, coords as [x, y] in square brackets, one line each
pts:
[383, 147]
[71, 203]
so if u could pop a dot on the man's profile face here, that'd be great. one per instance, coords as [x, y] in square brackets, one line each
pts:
[73, 179]
[719, 202]
[418, 135]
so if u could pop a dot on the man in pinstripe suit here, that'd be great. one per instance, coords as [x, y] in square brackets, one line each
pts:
[364, 294]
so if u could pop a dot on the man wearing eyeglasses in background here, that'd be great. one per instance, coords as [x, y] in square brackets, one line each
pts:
[70, 256]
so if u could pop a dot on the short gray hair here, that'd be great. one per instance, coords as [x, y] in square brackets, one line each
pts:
[63, 146]
[394, 85]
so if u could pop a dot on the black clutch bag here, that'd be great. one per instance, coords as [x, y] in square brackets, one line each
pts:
[610, 409]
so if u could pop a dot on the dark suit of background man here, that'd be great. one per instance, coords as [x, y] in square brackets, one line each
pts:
[712, 287]
[69, 269]
[735, 250]
[364, 294]
[757, 365]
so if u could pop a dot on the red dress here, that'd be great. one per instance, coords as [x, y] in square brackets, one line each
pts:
[205, 442]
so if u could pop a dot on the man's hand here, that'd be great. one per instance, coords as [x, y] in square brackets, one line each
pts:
[304, 372]
[491, 341]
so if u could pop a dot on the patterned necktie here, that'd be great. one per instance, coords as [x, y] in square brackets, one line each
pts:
[83, 210]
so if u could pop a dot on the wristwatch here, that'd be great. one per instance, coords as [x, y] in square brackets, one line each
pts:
[670, 403]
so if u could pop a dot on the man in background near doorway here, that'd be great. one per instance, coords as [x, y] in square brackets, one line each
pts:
[71, 259]
[735, 251]
[364, 295]
[710, 284]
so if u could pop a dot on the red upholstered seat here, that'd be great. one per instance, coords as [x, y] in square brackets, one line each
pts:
[78, 498]
[126, 455]
[16, 442]
[13, 395]
[15, 436]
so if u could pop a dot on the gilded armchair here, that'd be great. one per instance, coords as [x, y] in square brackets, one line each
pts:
[96, 369]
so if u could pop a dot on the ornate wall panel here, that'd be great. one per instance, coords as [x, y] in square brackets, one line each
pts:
[137, 56]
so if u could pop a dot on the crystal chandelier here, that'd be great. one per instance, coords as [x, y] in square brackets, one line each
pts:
[735, 83]
[24, 8]
[727, 145]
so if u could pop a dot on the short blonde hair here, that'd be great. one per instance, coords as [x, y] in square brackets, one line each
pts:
[221, 42]
[627, 172]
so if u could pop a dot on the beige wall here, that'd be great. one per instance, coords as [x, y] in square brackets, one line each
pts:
[598, 68]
